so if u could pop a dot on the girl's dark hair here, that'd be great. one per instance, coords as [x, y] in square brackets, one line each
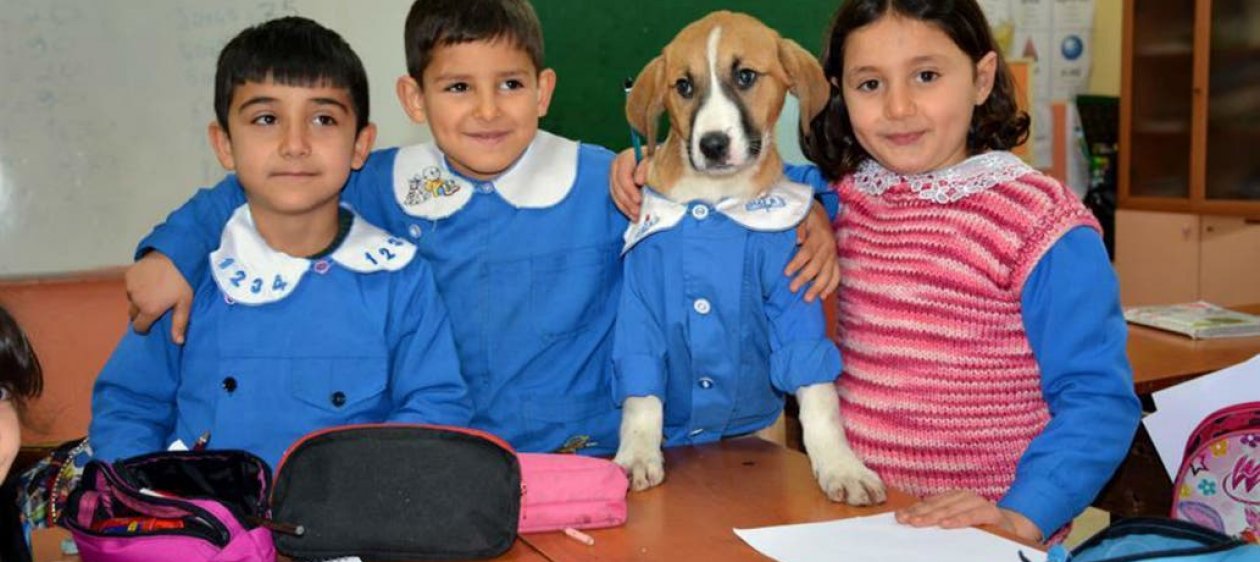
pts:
[293, 51]
[442, 23]
[20, 373]
[998, 124]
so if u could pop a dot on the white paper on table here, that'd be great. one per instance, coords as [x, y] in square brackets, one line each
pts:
[881, 538]
[1180, 409]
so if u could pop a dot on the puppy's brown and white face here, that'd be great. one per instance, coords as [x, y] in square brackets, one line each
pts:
[726, 93]
[723, 80]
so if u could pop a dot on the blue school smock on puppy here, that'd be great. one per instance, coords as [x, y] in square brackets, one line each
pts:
[707, 322]
[527, 263]
[280, 346]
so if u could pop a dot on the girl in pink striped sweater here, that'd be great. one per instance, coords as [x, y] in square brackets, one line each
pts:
[979, 317]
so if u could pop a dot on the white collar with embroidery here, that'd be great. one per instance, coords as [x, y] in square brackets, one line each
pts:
[968, 177]
[248, 271]
[425, 187]
[782, 207]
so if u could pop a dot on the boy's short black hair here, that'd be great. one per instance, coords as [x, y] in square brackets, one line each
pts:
[20, 373]
[293, 51]
[439, 23]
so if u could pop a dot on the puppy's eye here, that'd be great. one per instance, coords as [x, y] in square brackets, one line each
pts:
[745, 78]
[685, 88]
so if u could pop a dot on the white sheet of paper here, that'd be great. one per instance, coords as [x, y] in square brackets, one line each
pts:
[880, 537]
[1180, 408]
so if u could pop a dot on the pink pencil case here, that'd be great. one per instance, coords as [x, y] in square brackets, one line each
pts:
[560, 491]
[210, 502]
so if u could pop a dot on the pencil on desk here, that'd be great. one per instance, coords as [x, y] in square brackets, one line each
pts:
[579, 536]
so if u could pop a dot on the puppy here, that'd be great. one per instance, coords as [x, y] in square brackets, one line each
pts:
[722, 81]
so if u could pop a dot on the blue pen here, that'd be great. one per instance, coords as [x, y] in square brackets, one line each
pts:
[635, 141]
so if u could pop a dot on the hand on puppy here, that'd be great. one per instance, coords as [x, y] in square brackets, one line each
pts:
[815, 260]
[626, 181]
[960, 508]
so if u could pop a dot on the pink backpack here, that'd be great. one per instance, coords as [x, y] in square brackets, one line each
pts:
[1218, 485]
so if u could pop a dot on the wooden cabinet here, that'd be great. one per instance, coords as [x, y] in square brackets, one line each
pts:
[1164, 258]
[1190, 107]
[1189, 174]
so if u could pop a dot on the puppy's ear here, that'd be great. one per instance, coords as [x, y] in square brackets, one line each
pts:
[807, 81]
[647, 101]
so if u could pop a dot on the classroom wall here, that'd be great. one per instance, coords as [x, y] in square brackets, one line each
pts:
[104, 107]
[105, 104]
[73, 323]
[1104, 79]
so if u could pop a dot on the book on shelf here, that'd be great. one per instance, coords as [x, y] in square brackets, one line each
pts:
[1199, 320]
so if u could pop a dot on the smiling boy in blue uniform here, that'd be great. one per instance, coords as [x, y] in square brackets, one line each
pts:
[280, 345]
[517, 222]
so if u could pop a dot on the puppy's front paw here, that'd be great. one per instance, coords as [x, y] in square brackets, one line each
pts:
[643, 463]
[640, 450]
[846, 479]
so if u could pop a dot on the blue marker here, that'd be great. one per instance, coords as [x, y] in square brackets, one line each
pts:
[635, 141]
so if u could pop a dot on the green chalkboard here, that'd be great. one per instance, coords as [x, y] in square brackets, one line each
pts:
[595, 45]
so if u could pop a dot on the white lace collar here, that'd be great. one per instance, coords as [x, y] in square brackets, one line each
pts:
[782, 207]
[426, 187]
[248, 271]
[970, 176]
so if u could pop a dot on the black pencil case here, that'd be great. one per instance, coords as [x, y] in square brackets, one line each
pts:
[398, 492]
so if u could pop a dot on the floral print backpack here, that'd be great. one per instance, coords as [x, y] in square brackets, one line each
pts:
[1218, 485]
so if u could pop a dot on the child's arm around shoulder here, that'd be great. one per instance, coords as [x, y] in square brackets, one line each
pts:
[426, 383]
[173, 256]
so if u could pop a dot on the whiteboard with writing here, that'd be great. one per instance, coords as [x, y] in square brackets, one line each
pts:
[104, 107]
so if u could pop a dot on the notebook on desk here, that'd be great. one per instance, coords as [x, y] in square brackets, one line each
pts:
[1198, 320]
[880, 537]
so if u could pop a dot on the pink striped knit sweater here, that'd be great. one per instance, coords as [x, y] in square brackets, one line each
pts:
[940, 389]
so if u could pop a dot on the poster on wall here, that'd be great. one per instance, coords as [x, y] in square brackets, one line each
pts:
[1054, 36]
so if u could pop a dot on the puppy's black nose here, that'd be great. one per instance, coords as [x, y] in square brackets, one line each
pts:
[714, 145]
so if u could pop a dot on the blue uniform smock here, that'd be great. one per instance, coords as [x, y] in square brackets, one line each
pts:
[707, 322]
[280, 346]
[527, 264]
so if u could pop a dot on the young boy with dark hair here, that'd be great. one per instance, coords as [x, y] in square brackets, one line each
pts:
[517, 222]
[310, 316]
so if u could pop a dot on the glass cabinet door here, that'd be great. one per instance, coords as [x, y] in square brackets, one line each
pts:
[1162, 85]
[1233, 124]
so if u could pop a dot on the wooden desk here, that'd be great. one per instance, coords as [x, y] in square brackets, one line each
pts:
[1162, 359]
[708, 491]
